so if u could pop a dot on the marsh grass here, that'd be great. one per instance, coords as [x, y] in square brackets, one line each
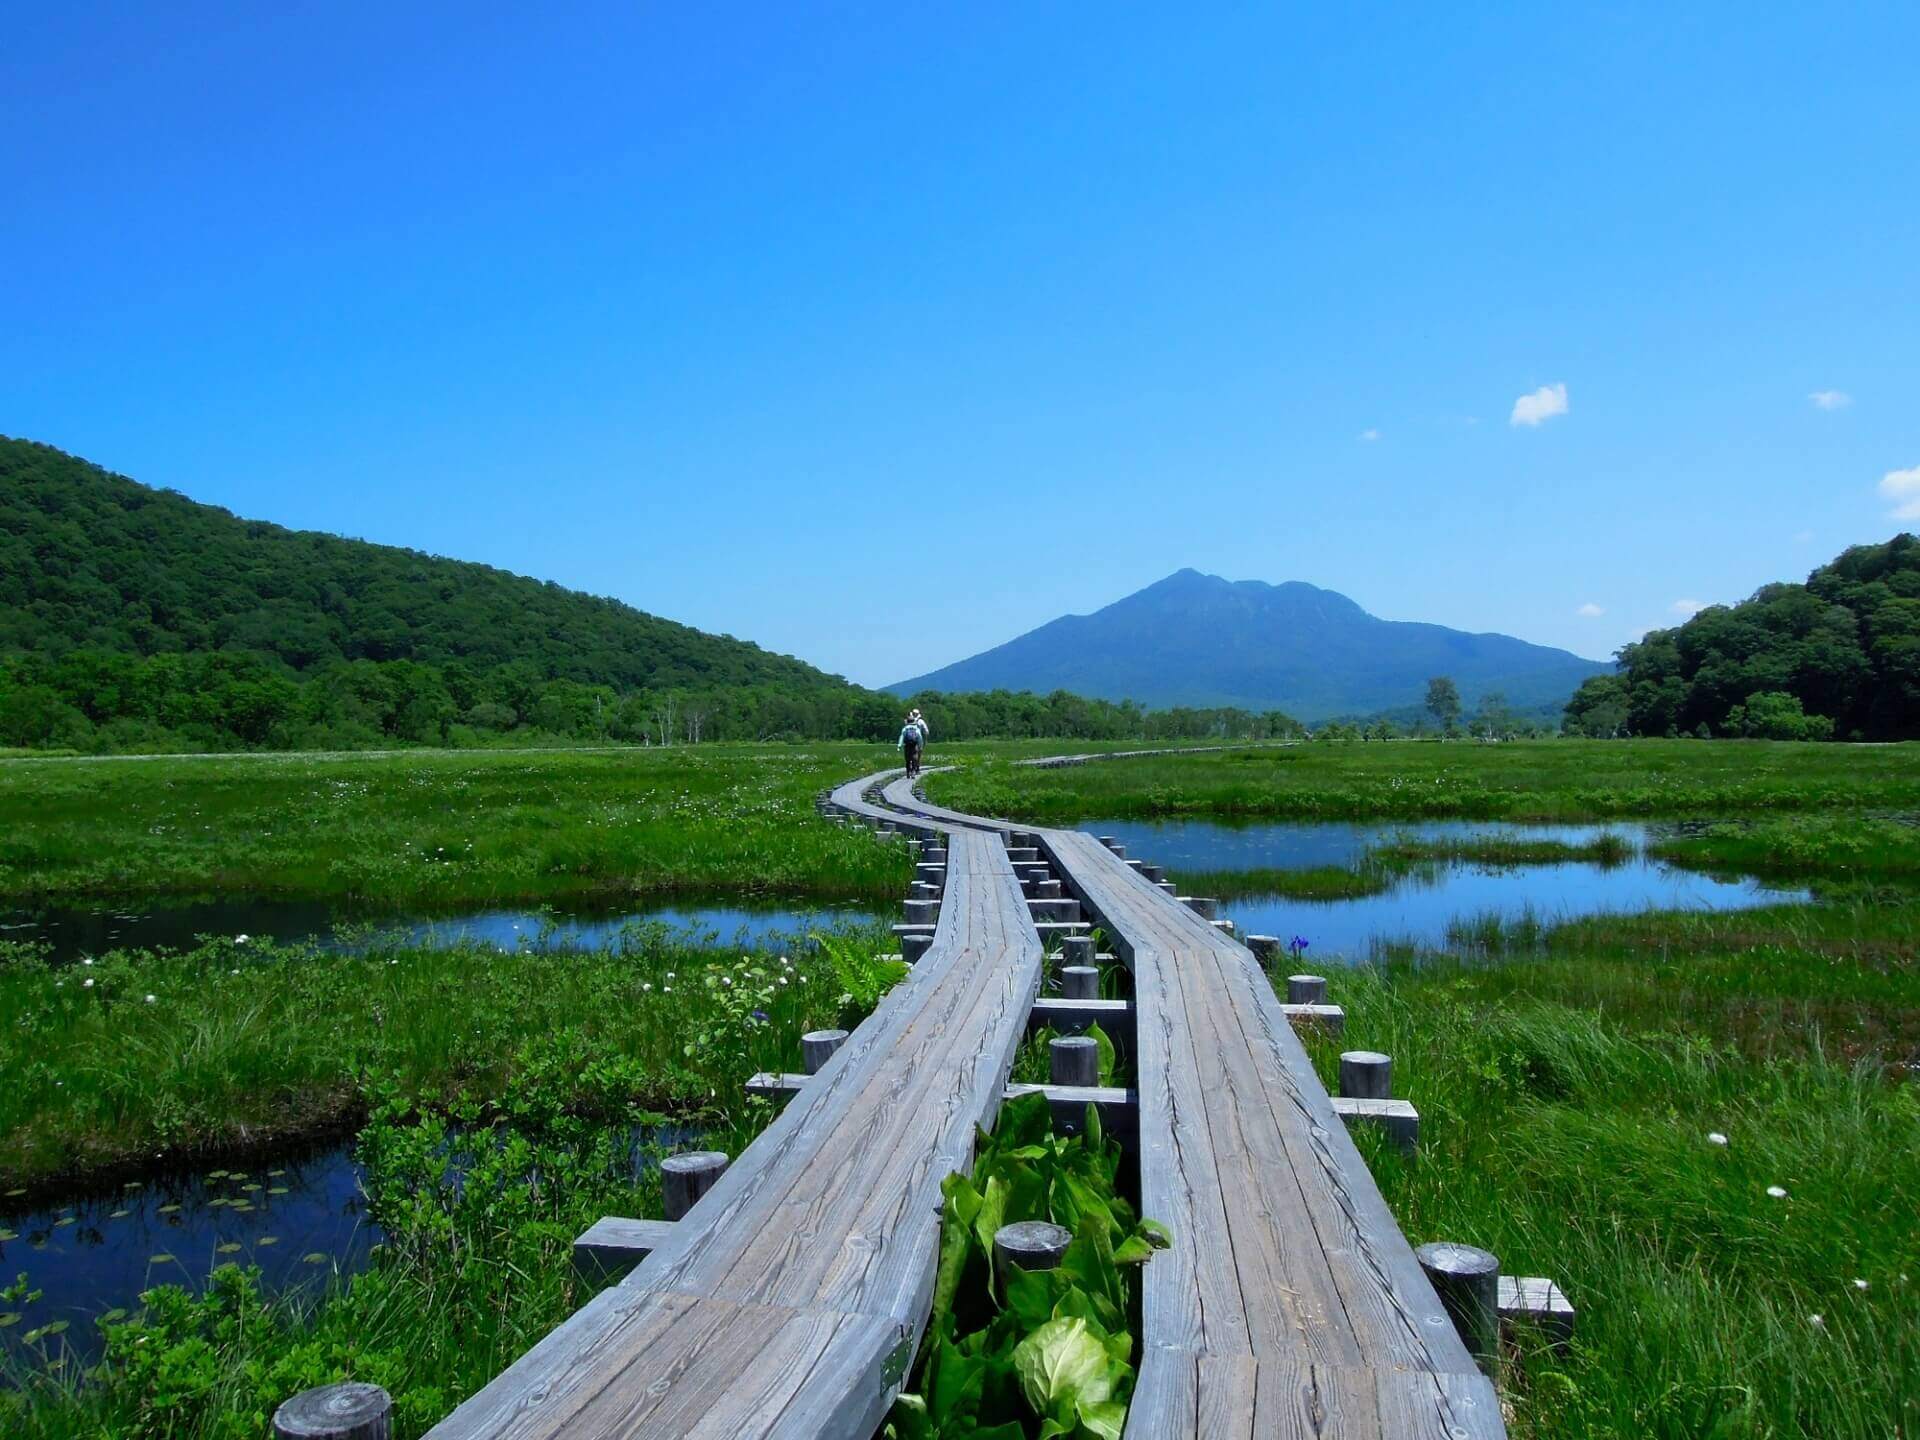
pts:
[1524, 780]
[1567, 1100]
[246, 1044]
[439, 829]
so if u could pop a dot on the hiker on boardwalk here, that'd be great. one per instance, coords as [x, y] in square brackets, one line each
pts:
[913, 736]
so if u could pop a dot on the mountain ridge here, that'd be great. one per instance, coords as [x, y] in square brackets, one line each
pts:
[1198, 639]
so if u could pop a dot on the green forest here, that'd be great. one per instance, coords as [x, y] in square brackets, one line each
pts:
[1835, 658]
[135, 619]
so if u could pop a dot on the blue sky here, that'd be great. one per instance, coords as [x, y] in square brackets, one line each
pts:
[881, 333]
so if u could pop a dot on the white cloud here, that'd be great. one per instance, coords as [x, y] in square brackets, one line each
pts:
[1542, 404]
[1685, 609]
[1590, 610]
[1369, 435]
[1902, 487]
[1831, 399]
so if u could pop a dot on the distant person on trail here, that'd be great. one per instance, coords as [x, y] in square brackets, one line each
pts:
[913, 735]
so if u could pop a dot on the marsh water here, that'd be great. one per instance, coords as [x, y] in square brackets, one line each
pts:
[1423, 905]
[301, 1216]
[73, 931]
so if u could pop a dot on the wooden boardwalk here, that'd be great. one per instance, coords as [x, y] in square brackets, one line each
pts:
[789, 1300]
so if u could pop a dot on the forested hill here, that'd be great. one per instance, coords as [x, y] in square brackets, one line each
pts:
[92, 560]
[1838, 656]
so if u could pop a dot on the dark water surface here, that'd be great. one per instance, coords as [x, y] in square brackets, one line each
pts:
[299, 1216]
[1422, 905]
[74, 931]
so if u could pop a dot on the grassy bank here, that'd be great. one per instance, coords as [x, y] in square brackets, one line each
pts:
[1570, 1088]
[1521, 780]
[233, 1045]
[442, 828]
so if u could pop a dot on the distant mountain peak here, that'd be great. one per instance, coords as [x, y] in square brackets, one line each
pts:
[1194, 638]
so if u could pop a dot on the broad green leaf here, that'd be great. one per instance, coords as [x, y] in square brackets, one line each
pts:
[1062, 1366]
[1103, 1044]
[1106, 1419]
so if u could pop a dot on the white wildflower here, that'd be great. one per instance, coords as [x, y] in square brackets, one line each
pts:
[1714, 1137]
[646, 985]
[87, 961]
[88, 982]
[1859, 1284]
[241, 939]
[1777, 1192]
[150, 999]
[1817, 1321]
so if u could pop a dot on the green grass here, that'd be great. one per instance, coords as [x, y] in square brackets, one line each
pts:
[1567, 1092]
[443, 828]
[1523, 780]
[243, 1045]
[1834, 847]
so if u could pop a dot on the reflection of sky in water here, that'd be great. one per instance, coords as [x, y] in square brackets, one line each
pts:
[74, 932]
[1420, 905]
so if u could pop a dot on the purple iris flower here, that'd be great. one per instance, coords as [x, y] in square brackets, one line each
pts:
[1297, 944]
[762, 1016]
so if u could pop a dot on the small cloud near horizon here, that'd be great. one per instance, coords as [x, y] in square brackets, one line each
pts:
[1687, 609]
[1902, 487]
[1831, 399]
[1540, 405]
[1590, 610]
[1369, 435]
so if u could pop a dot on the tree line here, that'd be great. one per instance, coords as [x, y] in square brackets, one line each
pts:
[1837, 657]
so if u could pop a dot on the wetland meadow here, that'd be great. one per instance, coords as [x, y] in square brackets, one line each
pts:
[1656, 1002]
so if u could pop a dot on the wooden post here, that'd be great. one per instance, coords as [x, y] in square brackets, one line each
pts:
[1265, 948]
[1306, 989]
[925, 890]
[1080, 982]
[912, 947]
[1031, 1244]
[351, 1410]
[1467, 1280]
[921, 912]
[933, 854]
[685, 1178]
[1076, 950]
[1366, 1075]
[1166, 887]
[817, 1047]
[1075, 1060]
[1205, 906]
[1154, 873]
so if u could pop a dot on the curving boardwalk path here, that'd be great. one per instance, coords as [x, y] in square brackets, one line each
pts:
[789, 1299]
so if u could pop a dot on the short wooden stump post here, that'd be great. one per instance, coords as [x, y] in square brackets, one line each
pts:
[1467, 1280]
[912, 947]
[1205, 906]
[1074, 1060]
[685, 1178]
[1080, 982]
[1166, 887]
[933, 854]
[1047, 890]
[1031, 1244]
[1154, 873]
[1306, 989]
[1265, 948]
[817, 1047]
[1076, 950]
[351, 1410]
[921, 912]
[1366, 1075]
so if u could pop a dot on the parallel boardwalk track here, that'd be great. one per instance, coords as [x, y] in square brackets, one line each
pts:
[789, 1300]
